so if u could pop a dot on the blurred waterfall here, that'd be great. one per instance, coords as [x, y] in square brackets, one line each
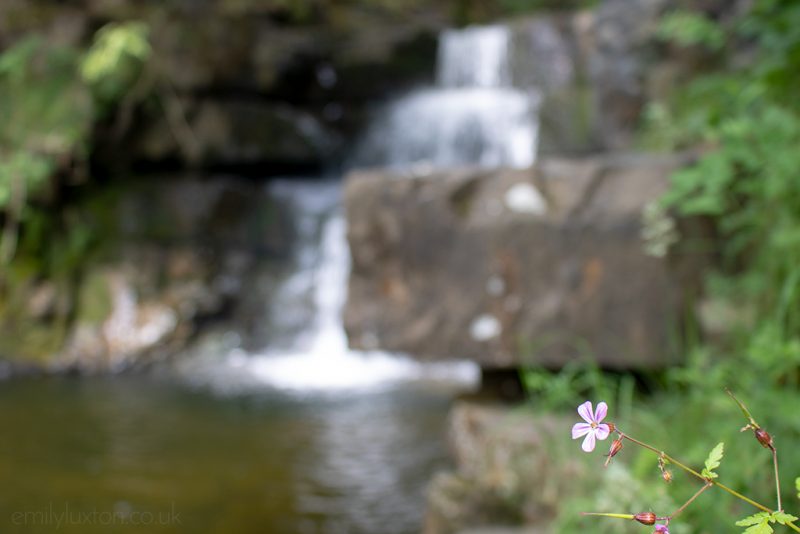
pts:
[308, 349]
[474, 115]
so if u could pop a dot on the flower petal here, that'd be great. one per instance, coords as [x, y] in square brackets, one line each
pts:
[585, 411]
[580, 429]
[662, 529]
[602, 431]
[602, 410]
[588, 442]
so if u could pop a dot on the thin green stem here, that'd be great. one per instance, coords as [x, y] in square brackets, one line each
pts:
[768, 443]
[777, 481]
[744, 409]
[604, 514]
[694, 473]
[690, 501]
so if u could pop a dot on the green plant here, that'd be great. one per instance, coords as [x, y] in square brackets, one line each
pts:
[49, 97]
[747, 119]
[593, 428]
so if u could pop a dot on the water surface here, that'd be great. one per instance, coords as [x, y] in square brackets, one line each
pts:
[140, 454]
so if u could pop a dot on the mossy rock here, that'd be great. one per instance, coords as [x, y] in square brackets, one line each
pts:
[94, 298]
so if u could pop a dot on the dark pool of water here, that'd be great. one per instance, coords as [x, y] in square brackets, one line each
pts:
[139, 454]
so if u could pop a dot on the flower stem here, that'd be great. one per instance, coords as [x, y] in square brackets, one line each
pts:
[603, 514]
[777, 481]
[768, 444]
[694, 473]
[687, 503]
[744, 409]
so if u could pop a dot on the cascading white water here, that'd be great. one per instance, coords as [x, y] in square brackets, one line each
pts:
[474, 116]
[316, 357]
[321, 359]
[448, 128]
[474, 57]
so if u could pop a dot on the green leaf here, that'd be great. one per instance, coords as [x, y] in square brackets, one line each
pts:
[713, 460]
[797, 486]
[782, 518]
[113, 45]
[754, 519]
[761, 528]
[759, 523]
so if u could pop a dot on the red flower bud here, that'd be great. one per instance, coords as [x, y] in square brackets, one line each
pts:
[646, 518]
[763, 438]
[616, 446]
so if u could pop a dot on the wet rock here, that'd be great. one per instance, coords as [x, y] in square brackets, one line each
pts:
[591, 69]
[510, 267]
[239, 133]
[115, 328]
[176, 253]
[507, 478]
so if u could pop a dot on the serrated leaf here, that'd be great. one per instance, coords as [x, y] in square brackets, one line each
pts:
[782, 518]
[713, 460]
[761, 528]
[754, 519]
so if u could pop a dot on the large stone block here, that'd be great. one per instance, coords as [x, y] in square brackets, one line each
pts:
[510, 267]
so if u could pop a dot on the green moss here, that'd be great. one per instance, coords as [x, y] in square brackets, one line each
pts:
[94, 299]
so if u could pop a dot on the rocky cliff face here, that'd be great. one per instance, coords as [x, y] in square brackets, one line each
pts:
[507, 268]
[175, 254]
[272, 86]
[265, 88]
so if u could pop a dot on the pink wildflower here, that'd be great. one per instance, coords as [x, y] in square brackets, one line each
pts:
[593, 429]
[661, 529]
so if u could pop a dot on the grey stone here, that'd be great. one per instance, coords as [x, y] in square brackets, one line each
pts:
[508, 476]
[513, 267]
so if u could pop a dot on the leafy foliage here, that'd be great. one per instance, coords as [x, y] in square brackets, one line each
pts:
[45, 114]
[713, 461]
[760, 523]
[747, 117]
[49, 97]
[116, 59]
[690, 28]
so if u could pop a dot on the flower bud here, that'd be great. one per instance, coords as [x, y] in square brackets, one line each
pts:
[616, 446]
[763, 438]
[645, 518]
[611, 427]
[666, 474]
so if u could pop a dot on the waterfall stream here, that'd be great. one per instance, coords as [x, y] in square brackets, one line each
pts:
[317, 358]
[473, 116]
